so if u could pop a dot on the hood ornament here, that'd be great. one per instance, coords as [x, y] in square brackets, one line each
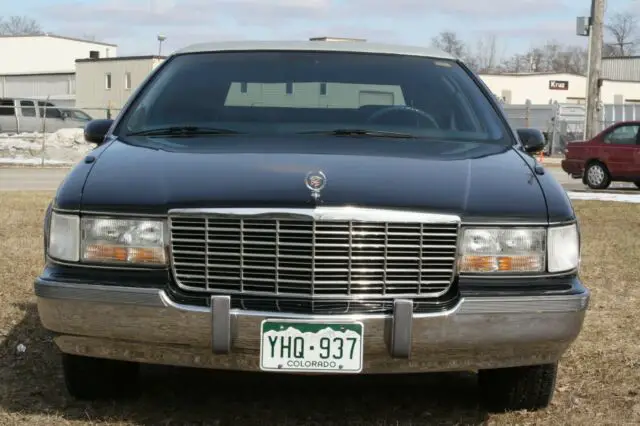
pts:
[315, 181]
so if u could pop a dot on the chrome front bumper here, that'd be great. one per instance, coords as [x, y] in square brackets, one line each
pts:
[145, 325]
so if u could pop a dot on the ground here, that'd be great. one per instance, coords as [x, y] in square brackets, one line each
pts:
[599, 381]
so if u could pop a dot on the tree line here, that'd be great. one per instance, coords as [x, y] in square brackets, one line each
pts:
[622, 39]
[487, 55]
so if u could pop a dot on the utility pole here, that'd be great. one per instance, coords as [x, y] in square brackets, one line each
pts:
[596, 29]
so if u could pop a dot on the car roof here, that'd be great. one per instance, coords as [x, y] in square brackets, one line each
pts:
[324, 46]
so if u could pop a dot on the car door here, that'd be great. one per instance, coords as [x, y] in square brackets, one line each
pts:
[53, 120]
[27, 117]
[619, 150]
[8, 117]
[636, 160]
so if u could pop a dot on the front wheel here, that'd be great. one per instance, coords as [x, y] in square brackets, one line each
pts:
[89, 378]
[518, 388]
[597, 176]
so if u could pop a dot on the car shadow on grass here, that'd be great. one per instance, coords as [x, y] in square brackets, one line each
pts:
[33, 385]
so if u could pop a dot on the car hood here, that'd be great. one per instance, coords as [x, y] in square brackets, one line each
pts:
[476, 181]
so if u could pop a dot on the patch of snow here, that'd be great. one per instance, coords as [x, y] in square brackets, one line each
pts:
[604, 196]
[65, 146]
[34, 161]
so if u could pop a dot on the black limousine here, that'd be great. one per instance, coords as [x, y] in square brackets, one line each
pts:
[313, 208]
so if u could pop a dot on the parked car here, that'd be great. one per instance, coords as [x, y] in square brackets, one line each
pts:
[19, 115]
[313, 208]
[613, 155]
[75, 114]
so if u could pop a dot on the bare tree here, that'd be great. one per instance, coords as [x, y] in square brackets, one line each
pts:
[549, 57]
[623, 27]
[19, 25]
[485, 56]
[450, 43]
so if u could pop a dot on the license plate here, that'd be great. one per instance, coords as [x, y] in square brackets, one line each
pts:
[297, 346]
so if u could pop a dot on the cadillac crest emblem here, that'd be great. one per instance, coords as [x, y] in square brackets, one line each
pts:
[315, 181]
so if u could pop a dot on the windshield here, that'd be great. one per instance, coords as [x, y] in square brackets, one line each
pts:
[293, 92]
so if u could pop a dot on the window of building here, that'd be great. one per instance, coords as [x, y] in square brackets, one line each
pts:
[289, 88]
[323, 88]
[127, 81]
[577, 101]
[28, 108]
[243, 87]
[107, 81]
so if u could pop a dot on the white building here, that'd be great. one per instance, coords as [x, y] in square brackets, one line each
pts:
[547, 88]
[105, 84]
[44, 66]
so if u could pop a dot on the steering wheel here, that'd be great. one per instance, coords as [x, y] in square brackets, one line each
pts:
[403, 108]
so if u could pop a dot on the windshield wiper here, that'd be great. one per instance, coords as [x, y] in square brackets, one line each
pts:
[360, 132]
[184, 131]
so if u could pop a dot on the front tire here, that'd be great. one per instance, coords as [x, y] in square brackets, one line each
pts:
[89, 378]
[596, 176]
[518, 388]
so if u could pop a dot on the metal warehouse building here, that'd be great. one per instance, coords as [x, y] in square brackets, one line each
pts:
[622, 69]
[44, 66]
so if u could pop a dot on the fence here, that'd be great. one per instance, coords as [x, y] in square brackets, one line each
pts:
[38, 133]
[45, 134]
[564, 123]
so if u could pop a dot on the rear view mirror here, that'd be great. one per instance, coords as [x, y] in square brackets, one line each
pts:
[532, 140]
[95, 130]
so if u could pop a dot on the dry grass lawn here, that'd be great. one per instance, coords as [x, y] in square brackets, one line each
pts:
[599, 380]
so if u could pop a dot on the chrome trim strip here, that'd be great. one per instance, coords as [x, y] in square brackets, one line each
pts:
[64, 211]
[324, 214]
[221, 324]
[481, 276]
[111, 267]
[132, 215]
[491, 223]
[401, 334]
[99, 293]
[203, 211]
[159, 298]
[544, 223]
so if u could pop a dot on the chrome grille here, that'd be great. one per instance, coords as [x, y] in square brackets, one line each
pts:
[297, 256]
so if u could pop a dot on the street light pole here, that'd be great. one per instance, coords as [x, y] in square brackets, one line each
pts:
[161, 38]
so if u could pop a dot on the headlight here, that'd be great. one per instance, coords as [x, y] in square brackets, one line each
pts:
[502, 250]
[125, 241]
[564, 248]
[64, 237]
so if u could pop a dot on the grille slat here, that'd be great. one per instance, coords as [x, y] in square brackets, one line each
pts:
[312, 259]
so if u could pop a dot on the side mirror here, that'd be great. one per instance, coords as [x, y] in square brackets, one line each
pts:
[95, 130]
[65, 115]
[532, 140]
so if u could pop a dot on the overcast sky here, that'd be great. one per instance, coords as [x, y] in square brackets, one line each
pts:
[134, 24]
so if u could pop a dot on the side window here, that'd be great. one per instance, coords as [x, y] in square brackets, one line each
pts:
[7, 108]
[49, 109]
[623, 135]
[28, 108]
